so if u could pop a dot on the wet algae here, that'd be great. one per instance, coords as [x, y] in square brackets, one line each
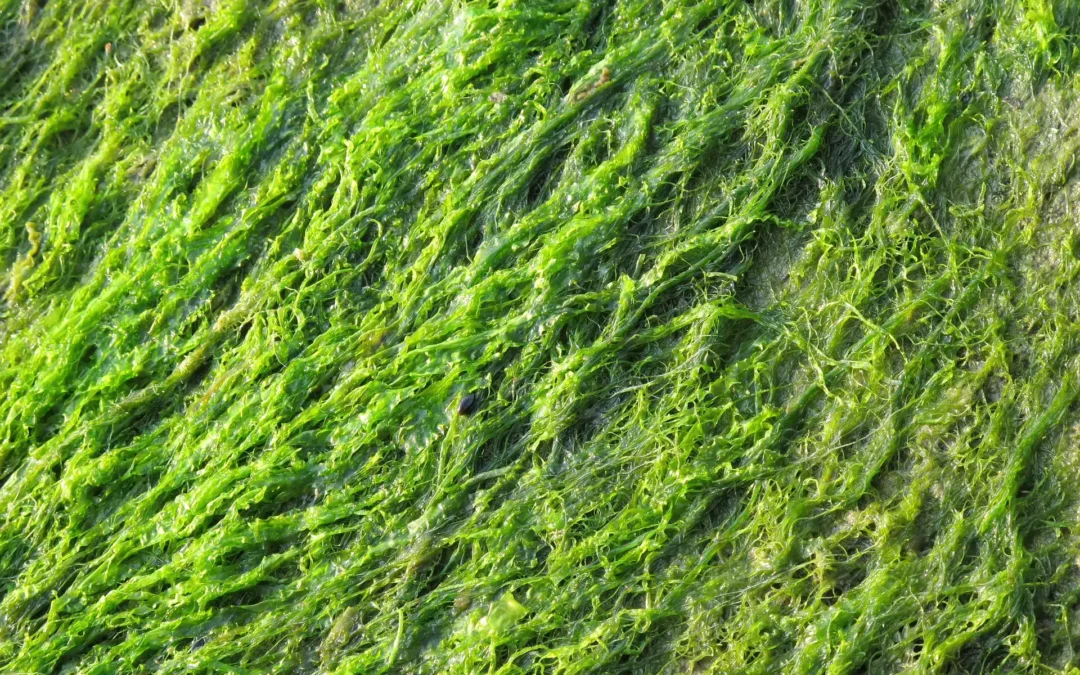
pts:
[539, 336]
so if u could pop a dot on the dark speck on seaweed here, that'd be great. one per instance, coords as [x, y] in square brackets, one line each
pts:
[467, 404]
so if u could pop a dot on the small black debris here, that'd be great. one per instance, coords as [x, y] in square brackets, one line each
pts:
[467, 404]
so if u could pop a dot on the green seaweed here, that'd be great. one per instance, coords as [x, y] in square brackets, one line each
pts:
[769, 311]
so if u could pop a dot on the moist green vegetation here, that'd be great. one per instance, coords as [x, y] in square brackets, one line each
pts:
[769, 310]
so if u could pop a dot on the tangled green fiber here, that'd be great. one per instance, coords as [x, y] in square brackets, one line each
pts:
[522, 336]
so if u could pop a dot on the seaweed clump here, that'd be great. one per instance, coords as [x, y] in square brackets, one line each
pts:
[771, 306]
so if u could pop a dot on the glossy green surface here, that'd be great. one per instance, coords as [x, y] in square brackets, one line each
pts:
[769, 308]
